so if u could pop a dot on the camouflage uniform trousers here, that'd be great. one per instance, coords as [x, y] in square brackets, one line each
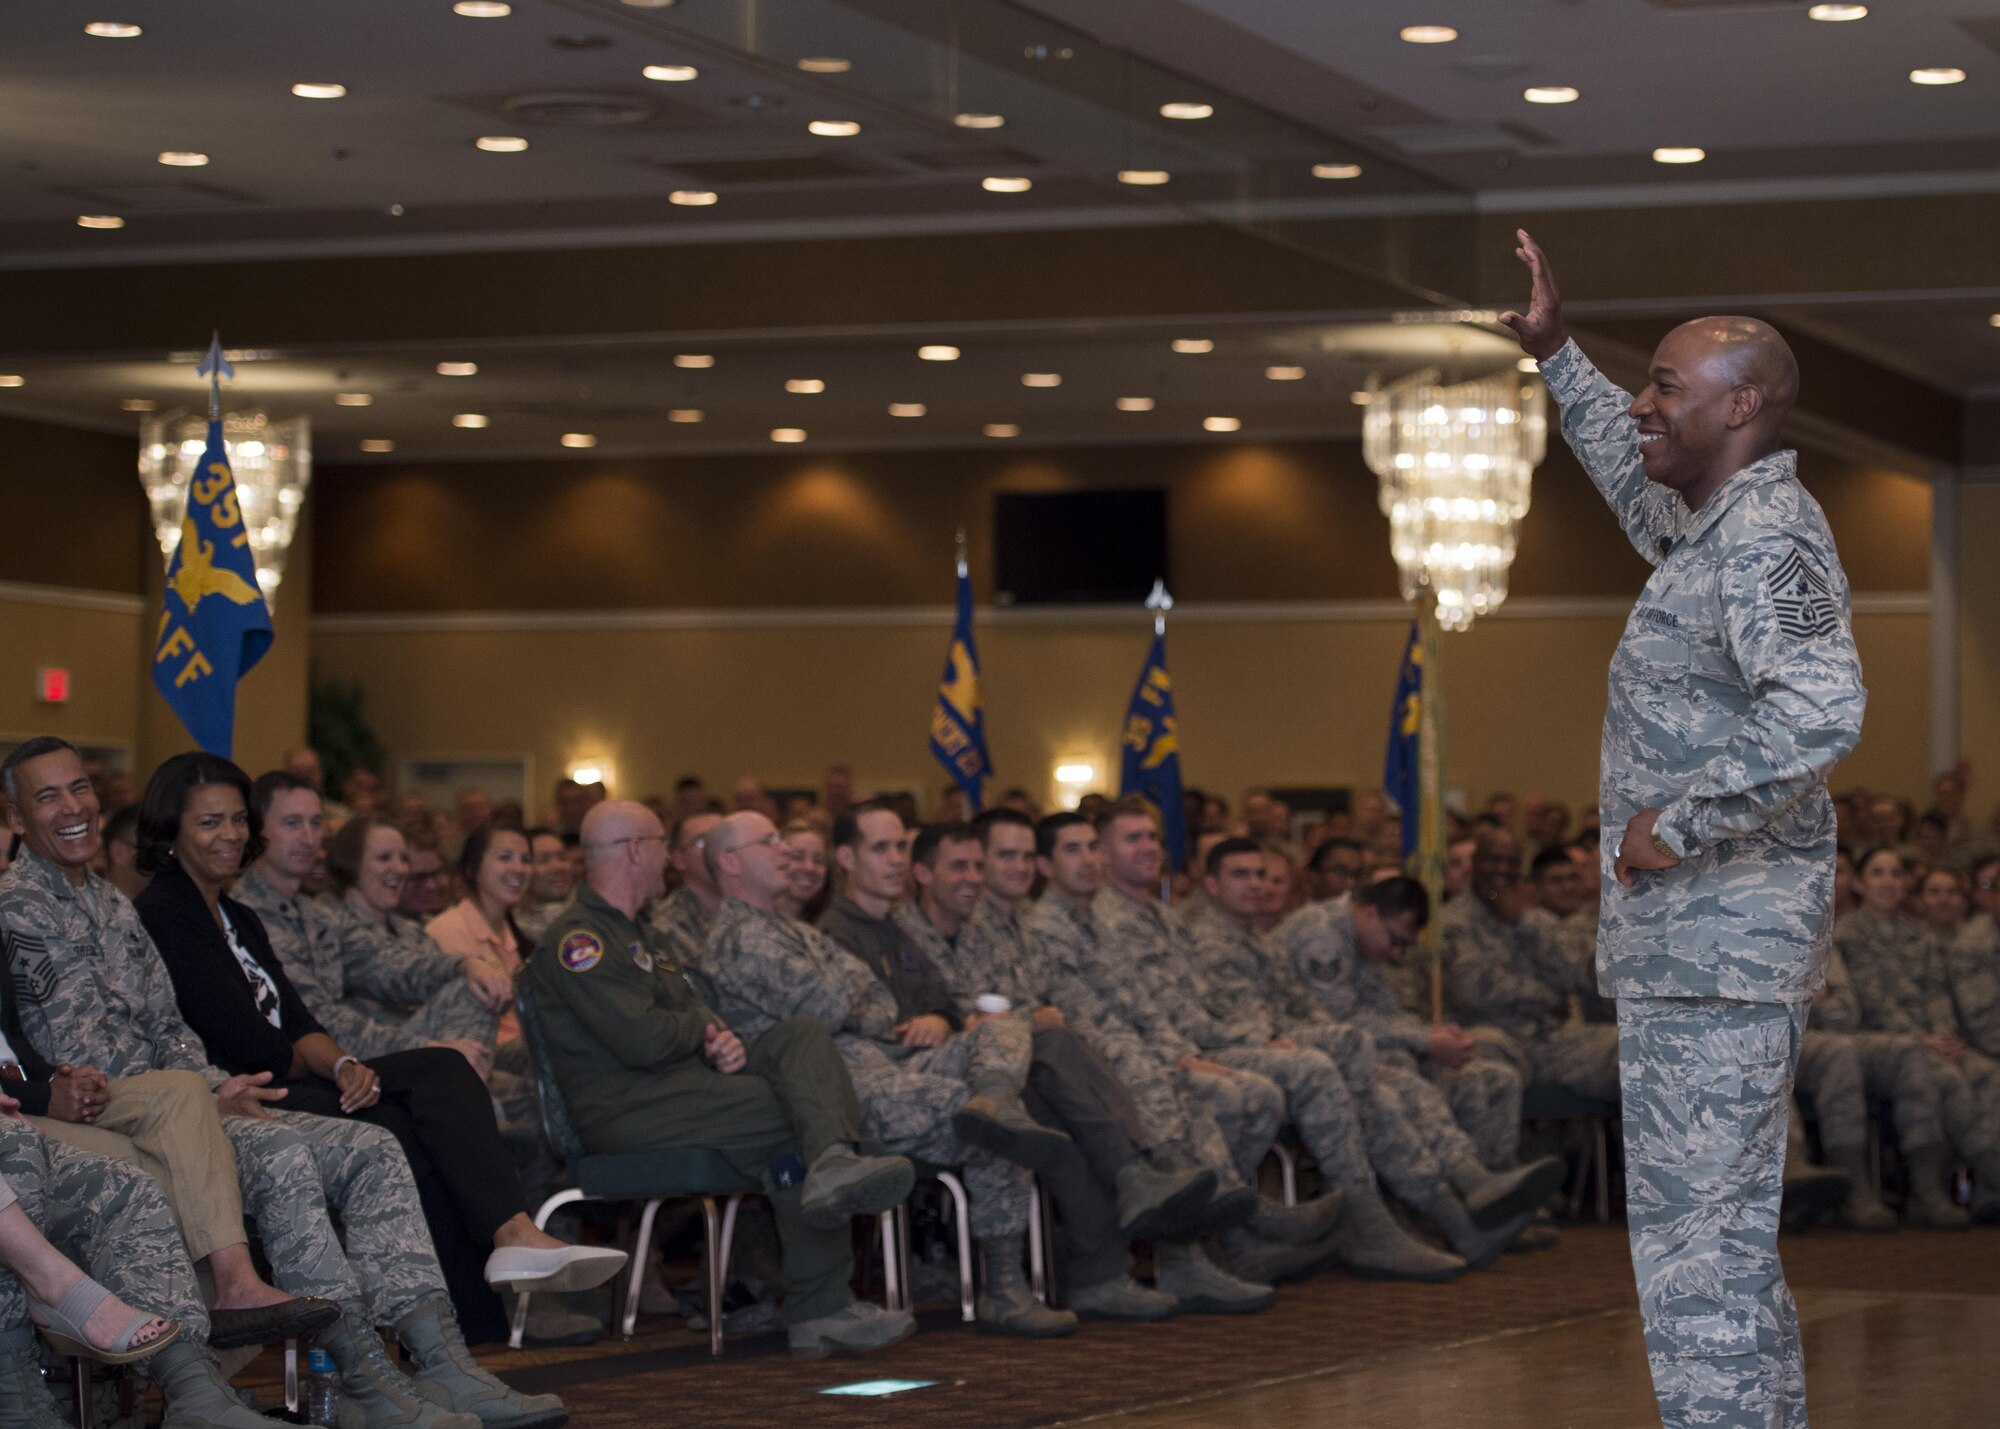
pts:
[1323, 1111]
[907, 1106]
[1580, 1058]
[295, 1168]
[1407, 1129]
[1484, 1096]
[1234, 1118]
[1971, 1095]
[1707, 1087]
[1182, 1112]
[1841, 1072]
[109, 1218]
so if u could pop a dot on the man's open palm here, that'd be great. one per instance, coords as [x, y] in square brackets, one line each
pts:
[1541, 330]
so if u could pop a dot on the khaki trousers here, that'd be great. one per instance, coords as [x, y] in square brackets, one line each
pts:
[166, 1124]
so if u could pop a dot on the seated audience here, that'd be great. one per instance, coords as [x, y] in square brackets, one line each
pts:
[550, 882]
[479, 928]
[805, 896]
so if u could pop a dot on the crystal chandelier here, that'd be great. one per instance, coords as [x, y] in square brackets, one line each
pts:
[1455, 465]
[272, 463]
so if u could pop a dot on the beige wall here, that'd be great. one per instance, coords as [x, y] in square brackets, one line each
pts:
[1293, 702]
[100, 649]
[1979, 637]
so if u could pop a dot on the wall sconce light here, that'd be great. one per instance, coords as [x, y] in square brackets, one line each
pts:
[1073, 778]
[591, 771]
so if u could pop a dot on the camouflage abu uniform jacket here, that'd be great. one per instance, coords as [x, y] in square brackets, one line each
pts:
[1975, 983]
[1145, 969]
[1496, 974]
[1734, 690]
[765, 968]
[684, 920]
[1899, 975]
[1319, 941]
[91, 986]
[1250, 986]
[990, 955]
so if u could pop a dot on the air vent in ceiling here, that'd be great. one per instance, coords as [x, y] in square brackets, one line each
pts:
[579, 110]
[783, 169]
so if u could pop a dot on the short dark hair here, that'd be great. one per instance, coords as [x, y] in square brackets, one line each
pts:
[344, 854]
[1861, 863]
[1395, 897]
[269, 785]
[847, 827]
[674, 831]
[1128, 806]
[1548, 858]
[473, 852]
[687, 781]
[1051, 827]
[123, 826]
[541, 831]
[166, 797]
[1230, 848]
[1327, 845]
[983, 823]
[34, 748]
[931, 837]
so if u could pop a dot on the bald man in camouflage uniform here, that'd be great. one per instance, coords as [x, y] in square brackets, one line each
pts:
[1735, 688]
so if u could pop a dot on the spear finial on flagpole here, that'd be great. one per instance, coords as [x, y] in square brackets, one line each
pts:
[215, 367]
[1159, 602]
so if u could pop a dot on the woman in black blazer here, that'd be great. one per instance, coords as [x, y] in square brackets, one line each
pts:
[198, 828]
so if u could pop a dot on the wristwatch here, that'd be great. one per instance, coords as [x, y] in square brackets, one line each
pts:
[1660, 847]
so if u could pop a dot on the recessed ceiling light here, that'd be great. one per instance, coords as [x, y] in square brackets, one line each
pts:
[907, 409]
[1427, 34]
[482, 9]
[377, 444]
[1336, 171]
[994, 184]
[693, 359]
[112, 30]
[805, 386]
[12, 379]
[1360, 399]
[1993, 321]
[1679, 156]
[1527, 364]
[648, 4]
[684, 415]
[833, 128]
[1135, 404]
[1041, 379]
[1551, 94]
[1939, 74]
[938, 352]
[1182, 109]
[1221, 424]
[692, 198]
[1834, 14]
[788, 434]
[99, 220]
[469, 419]
[320, 91]
[353, 399]
[458, 369]
[825, 64]
[671, 74]
[1143, 177]
[978, 121]
[183, 159]
[1001, 429]
[1194, 344]
[500, 143]
[137, 404]
[578, 439]
[1284, 374]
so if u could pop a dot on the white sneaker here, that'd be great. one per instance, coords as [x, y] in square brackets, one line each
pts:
[573, 1267]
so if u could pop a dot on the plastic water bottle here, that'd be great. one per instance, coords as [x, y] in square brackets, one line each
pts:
[322, 1391]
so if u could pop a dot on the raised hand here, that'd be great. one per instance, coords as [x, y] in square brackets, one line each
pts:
[1541, 330]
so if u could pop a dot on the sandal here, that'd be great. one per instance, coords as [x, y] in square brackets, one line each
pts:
[62, 1326]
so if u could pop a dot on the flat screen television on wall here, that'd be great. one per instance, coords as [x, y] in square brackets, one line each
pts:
[1078, 547]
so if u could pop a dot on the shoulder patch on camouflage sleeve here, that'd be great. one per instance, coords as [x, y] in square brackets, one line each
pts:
[1803, 598]
[580, 952]
[34, 970]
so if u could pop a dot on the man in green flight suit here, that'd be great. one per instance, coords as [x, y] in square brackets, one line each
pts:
[645, 1065]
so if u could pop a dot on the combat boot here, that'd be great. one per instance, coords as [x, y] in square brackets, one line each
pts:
[842, 1184]
[1161, 1205]
[1374, 1247]
[1250, 1257]
[1493, 1198]
[858, 1328]
[1863, 1209]
[1005, 1305]
[197, 1395]
[374, 1393]
[1307, 1223]
[1929, 1208]
[1203, 1287]
[1477, 1248]
[1122, 1298]
[1232, 1206]
[447, 1373]
[25, 1401]
[1986, 1191]
[1811, 1193]
[994, 1120]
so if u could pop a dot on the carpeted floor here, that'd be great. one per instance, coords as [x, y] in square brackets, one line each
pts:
[665, 1374]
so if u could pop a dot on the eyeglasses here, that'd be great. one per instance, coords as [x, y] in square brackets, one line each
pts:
[635, 839]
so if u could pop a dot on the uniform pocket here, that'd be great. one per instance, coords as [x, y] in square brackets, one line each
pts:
[1712, 1334]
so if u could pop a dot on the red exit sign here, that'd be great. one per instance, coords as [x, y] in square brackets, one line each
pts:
[52, 685]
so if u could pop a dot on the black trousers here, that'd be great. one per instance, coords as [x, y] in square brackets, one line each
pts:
[434, 1104]
[1072, 1089]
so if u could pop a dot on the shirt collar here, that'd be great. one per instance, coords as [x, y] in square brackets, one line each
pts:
[49, 876]
[1778, 466]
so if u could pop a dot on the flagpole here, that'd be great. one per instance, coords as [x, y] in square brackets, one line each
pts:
[1430, 789]
[1159, 602]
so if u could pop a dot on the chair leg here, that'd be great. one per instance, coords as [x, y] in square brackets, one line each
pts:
[292, 1375]
[712, 1233]
[729, 1209]
[1583, 1167]
[80, 1369]
[517, 1334]
[1603, 1170]
[892, 1280]
[902, 1216]
[1038, 1283]
[639, 1248]
[1288, 1171]
[962, 1208]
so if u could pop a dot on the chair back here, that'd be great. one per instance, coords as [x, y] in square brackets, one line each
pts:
[548, 1093]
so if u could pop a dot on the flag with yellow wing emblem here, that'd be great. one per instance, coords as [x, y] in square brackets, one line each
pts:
[958, 723]
[1401, 771]
[215, 625]
[1151, 746]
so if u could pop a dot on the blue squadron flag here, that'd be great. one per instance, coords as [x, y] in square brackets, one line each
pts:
[958, 723]
[1152, 747]
[215, 626]
[1400, 770]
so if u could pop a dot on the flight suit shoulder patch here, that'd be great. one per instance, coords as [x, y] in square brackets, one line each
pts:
[580, 952]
